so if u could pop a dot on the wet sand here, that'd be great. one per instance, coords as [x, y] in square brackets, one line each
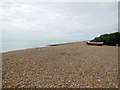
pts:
[74, 65]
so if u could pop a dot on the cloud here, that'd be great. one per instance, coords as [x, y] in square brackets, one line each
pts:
[57, 21]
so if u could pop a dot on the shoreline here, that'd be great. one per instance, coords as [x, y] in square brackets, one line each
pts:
[49, 45]
[22, 49]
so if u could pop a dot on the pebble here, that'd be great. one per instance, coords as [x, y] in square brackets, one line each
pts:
[48, 69]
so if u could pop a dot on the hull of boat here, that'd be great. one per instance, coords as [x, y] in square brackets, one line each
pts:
[95, 43]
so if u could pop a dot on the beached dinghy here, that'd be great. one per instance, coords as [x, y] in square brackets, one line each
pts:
[94, 43]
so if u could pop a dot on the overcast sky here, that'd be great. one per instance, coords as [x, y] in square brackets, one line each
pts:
[57, 21]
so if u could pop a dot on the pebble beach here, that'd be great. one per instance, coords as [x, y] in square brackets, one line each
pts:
[73, 65]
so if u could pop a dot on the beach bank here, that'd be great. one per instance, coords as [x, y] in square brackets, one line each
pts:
[73, 65]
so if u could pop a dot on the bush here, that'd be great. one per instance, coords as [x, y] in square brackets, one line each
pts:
[109, 39]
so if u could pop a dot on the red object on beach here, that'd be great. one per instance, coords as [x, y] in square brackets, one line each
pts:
[94, 43]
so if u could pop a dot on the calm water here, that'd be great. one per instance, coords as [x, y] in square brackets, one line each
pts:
[17, 45]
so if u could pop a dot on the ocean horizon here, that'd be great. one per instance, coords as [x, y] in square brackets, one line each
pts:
[7, 46]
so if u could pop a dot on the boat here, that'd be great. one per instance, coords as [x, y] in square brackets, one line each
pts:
[94, 43]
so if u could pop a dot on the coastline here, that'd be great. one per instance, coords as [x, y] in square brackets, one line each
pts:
[48, 45]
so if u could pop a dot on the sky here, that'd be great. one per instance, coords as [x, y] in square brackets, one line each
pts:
[72, 21]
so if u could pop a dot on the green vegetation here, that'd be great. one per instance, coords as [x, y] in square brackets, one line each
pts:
[62, 53]
[108, 39]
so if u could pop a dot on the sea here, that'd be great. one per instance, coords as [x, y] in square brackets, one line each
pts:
[6, 46]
